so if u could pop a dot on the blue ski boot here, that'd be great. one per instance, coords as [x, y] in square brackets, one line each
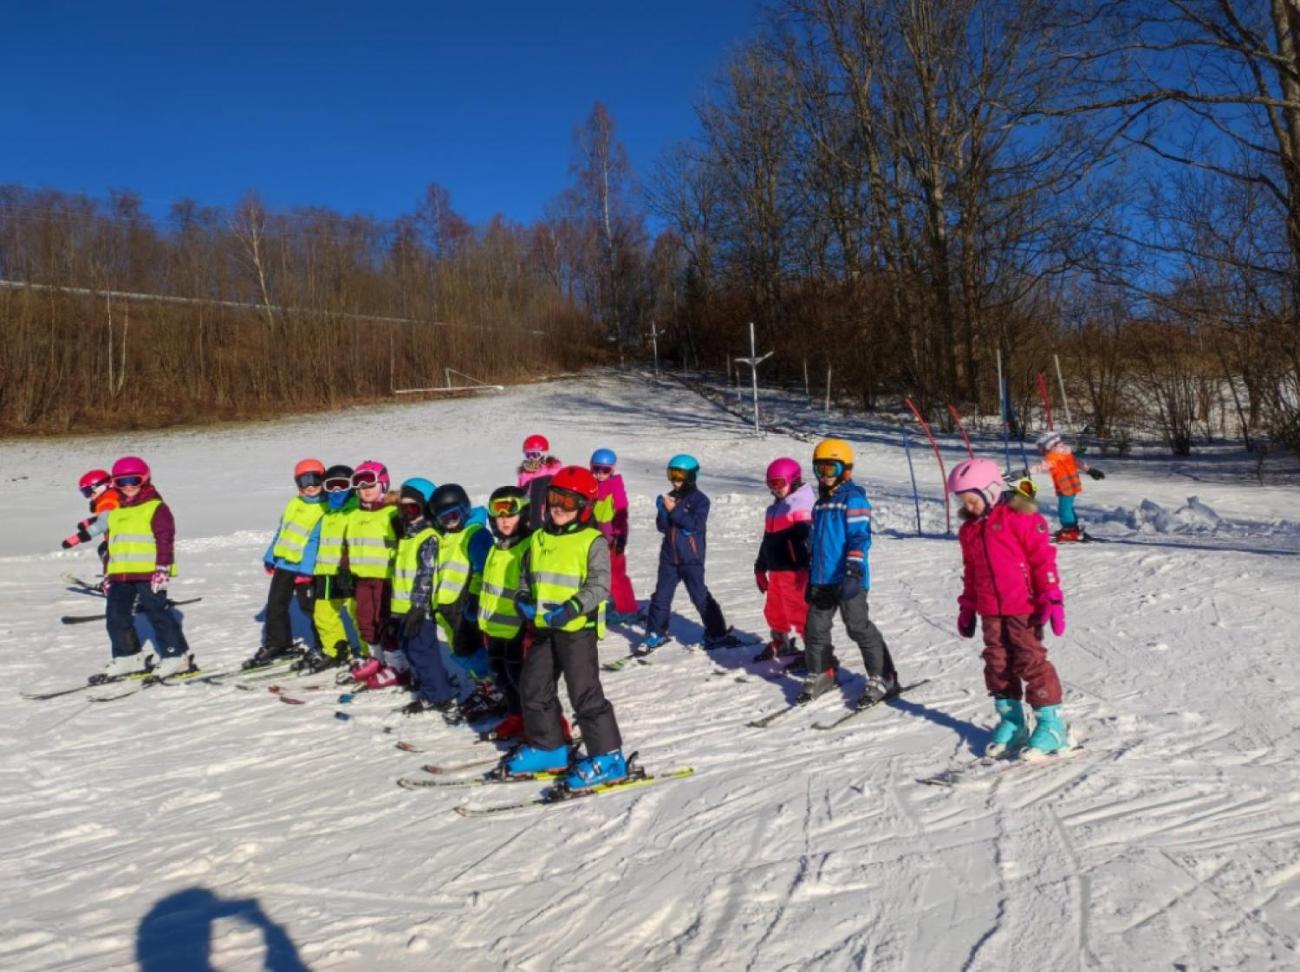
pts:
[595, 770]
[530, 759]
[1051, 735]
[651, 641]
[1011, 734]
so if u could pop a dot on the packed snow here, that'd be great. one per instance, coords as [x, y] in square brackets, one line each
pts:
[200, 823]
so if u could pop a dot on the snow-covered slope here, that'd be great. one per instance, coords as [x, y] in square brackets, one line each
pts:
[201, 822]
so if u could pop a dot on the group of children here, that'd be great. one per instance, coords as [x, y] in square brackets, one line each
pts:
[520, 592]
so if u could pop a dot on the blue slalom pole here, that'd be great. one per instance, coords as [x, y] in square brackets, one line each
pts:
[916, 497]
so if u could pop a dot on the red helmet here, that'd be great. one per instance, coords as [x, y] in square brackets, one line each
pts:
[93, 480]
[131, 466]
[536, 443]
[579, 482]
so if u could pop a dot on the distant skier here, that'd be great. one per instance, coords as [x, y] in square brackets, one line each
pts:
[1060, 461]
[290, 561]
[97, 487]
[610, 517]
[683, 518]
[781, 568]
[839, 579]
[1010, 583]
[535, 474]
[141, 563]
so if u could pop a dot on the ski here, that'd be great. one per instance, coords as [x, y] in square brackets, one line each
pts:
[487, 779]
[552, 797]
[58, 693]
[986, 769]
[456, 767]
[78, 586]
[861, 708]
[150, 682]
[83, 618]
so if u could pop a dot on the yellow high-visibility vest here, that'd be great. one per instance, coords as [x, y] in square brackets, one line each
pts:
[296, 526]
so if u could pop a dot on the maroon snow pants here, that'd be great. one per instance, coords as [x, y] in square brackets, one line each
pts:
[1015, 661]
[374, 595]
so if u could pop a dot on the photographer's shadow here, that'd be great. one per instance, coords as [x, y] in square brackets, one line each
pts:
[177, 933]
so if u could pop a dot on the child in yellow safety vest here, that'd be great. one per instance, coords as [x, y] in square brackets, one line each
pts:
[334, 588]
[372, 546]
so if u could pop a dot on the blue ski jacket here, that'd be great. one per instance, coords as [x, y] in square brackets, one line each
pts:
[841, 534]
[684, 528]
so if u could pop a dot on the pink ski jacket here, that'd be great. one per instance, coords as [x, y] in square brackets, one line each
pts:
[1008, 559]
[549, 467]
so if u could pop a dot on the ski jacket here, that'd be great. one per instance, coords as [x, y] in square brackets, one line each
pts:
[1007, 557]
[787, 527]
[296, 517]
[1064, 468]
[567, 563]
[841, 534]
[162, 526]
[684, 528]
[610, 513]
[548, 467]
[109, 499]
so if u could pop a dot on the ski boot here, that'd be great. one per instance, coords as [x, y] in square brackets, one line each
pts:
[316, 661]
[418, 707]
[727, 639]
[511, 727]
[879, 688]
[1011, 734]
[815, 685]
[618, 617]
[1067, 535]
[385, 677]
[365, 669]
[122, 665]
[268, 654]
[774, 648]
[174, 665]
[652, 640]
[1050, 735]
[530, 759]
[596, 770]
[485, 702]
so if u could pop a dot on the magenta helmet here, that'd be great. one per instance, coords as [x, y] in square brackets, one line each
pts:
[131, 466]
[371, 466]
[785, 469]
[977, 476]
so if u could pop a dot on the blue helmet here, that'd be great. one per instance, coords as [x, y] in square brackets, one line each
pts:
[604, 457]
[686, 464]
[419, 489]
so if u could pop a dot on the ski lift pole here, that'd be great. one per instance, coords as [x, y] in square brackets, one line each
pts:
[943, 473]
[753, 361]
[916, 496]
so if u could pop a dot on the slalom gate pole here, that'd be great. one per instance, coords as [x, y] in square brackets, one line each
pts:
[943, 473]
[956, 417]
[916, 496]
[1047, 399]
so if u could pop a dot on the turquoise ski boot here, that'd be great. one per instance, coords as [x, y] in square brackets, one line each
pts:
[1051, 735]
[1011, 733]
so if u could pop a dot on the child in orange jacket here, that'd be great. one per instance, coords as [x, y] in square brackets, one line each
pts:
[1059, 460]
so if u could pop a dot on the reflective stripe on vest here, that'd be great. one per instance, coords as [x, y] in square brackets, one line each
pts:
[453, 566]
[557, 569]
[132, 547]
[296, 525]
[333, 537]
[405, 567]
[497, 616]
[372, 542]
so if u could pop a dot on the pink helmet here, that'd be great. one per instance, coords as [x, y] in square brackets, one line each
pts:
[785, 469]
[94, 479]
[537, 443]
[977, 476]
[131, 466]
[369, 468]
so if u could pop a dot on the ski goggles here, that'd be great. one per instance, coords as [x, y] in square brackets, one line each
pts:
[678, 475]
[828, 468]
[339, 484]
[89, 491]
[411, 509]
[507, 506]
[308, 479]
[602, 470]
[451, 516]
[367, 477]
[1026, 487]
[777, 482]
[128, 480]
[564, 500]
[533, 455]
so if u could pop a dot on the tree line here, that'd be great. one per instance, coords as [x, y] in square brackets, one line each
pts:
[906, 191]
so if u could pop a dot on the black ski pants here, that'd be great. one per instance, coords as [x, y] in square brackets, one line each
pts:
[506, 656]
[824, 602]
[284, 588]
[573, 655]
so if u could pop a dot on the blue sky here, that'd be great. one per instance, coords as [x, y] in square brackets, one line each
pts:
[353, 106]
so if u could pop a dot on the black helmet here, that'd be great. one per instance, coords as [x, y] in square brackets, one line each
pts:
[508, 501]
[338, 472]
[447, 499]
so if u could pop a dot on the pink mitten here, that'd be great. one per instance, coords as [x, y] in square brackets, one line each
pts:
[966, 622]
[1050, 610]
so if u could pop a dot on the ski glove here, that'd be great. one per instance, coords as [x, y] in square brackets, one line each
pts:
[760, 578]
[1096, 474]
[966, 622]
[851, 586]
[412, 624]
[1050, 610]
[270, 569]
[558, 617]
[526, 608]
[158, 582]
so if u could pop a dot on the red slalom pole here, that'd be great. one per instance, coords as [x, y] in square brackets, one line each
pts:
[1047, 399]
[943, 473]
[956, 417]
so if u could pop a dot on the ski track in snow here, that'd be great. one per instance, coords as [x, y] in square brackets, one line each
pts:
[203, 817]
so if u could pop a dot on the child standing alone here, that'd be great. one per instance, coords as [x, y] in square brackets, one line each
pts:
[1059, 460]
[1010, 583]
